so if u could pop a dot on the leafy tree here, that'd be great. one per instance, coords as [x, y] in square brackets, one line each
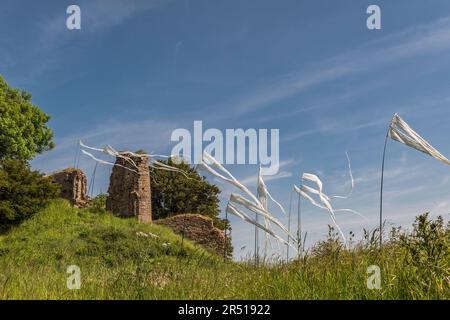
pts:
[22, 192]
[23, 126]
[174, 193]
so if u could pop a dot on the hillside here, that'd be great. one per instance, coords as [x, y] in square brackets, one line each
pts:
[118, 258]
[122, 259]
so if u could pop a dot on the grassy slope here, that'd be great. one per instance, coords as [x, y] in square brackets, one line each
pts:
[116, 263]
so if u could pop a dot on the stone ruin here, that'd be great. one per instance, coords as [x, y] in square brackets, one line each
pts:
[199, 229]
[129, 192]
[129, 195]
[73, 184]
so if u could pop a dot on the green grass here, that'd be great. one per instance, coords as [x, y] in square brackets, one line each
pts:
[118, 263]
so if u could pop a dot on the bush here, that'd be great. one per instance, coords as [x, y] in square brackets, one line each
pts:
[22, 192]
[427, 257]
[97, 204]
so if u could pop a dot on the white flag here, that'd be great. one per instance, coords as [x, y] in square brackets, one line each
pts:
[233, 210]
[324, 201]
[126, 156]
[403, 133]
[264, 196]
[255, 205]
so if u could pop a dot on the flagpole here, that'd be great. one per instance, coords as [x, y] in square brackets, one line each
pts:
[256, 240]
[299, 228]
[256, 236]
[289, 226]
[381, 188]
[226, 239]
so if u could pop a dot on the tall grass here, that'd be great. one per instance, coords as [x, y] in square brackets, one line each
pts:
[121, 259]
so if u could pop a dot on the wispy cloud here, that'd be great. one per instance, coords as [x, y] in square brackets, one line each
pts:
[51, 36]
[97, 15]
[423, 39]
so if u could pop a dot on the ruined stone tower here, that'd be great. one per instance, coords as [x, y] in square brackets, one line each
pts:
[129, 192]
[73, 184]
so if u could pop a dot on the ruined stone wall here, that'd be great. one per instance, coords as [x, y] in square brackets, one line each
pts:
[73, 184]
[199, 229]
[129, 192]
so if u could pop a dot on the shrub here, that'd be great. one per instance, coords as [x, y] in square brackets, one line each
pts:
[98, 203]
[427, 257]
[23, 192]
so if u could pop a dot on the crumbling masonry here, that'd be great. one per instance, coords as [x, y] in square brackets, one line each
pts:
[129, 192]
[199, 229]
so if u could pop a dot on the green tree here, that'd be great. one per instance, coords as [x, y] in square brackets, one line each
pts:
[174, 193]
[23, 126]
[22, 192]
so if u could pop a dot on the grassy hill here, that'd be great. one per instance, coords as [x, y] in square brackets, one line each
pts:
[122, 259]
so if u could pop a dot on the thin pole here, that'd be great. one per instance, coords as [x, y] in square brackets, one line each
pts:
[381, 188]
[77, 157]
[256, 235]
[78, 160]
[184, 221]
[91, 187]
[183, 230]
[289, 226]
[299, 228]
[226, 239]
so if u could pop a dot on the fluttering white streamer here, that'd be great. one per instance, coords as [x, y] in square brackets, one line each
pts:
[255, 205]
[109, 150]
[302, 191]
[325, 205]
[264, 195]
[105, 162]
[325, 200]
[162, 166]
[249, 205]
[209, 161]
[352, 180]
[400, 131]
[91, 148]
[315, 179]
[234, 211]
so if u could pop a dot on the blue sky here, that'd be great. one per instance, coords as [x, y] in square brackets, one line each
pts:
[139, 69]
